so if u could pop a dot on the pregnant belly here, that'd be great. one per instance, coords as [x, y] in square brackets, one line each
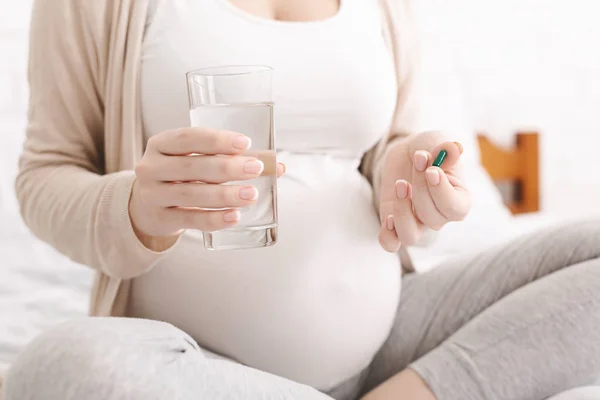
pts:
[314, 308]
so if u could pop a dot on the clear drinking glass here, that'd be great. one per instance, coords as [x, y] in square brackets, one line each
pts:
[240, 99]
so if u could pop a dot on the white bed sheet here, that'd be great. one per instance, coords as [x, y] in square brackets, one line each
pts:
[38, 288]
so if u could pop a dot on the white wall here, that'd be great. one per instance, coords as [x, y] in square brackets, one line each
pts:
[13, 93]
[528, 63]
[522, 63]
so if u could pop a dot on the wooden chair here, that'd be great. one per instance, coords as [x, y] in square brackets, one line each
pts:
[518, 166]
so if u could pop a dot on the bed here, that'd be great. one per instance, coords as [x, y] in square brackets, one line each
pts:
[40, 288]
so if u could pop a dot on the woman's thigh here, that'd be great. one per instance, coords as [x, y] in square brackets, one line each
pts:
[437, 304]
[119, 358]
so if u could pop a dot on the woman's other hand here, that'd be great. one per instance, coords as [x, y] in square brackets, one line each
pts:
[179, 183]
[416, 195]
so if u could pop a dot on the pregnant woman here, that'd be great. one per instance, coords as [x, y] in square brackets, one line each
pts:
[104, 178]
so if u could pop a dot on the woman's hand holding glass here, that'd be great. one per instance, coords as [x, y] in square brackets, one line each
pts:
[180, 180]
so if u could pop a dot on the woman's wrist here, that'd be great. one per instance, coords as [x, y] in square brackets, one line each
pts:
[154, 243]
[157, 244]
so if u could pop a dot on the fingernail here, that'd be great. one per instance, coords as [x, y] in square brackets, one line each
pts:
[433, 176]
[232, 216]
[389, 223]
[253, 167]
[283, 168]
[248, 193]
[401, 189]
[420, 160]
[241, 142]
[460, 148]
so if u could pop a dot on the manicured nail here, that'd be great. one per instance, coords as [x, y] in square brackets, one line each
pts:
[232, 216]
[439, 160]
[433, 176]
[241, 142]
[248, 193]
[253, 167]
[460, 148]
[401, 189]
[421, 159]
[389, 223]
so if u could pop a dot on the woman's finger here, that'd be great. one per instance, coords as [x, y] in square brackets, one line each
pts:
[194, 140]
[203, 220]
[387, 235]
[424, 207]
[452, 202]
[201, 195]
[209, 169]
[388, 239]
[408, 228]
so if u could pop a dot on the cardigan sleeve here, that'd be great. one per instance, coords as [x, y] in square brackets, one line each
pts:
[65, 196]
[401, 36]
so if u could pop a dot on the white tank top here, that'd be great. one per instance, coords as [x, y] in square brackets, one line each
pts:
[316, 307]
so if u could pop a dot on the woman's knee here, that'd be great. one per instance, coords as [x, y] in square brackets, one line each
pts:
[583, 393]
[580, 240]
[124, 359]
[93, 358]
[561, 245]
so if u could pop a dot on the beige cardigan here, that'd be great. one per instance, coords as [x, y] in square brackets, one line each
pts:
[84, 134]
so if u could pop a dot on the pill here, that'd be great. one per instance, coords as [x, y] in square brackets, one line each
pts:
[440, 158]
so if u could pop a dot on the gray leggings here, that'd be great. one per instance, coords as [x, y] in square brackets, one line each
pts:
[518, 322]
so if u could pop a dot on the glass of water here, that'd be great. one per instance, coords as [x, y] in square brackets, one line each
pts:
[240, 99]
